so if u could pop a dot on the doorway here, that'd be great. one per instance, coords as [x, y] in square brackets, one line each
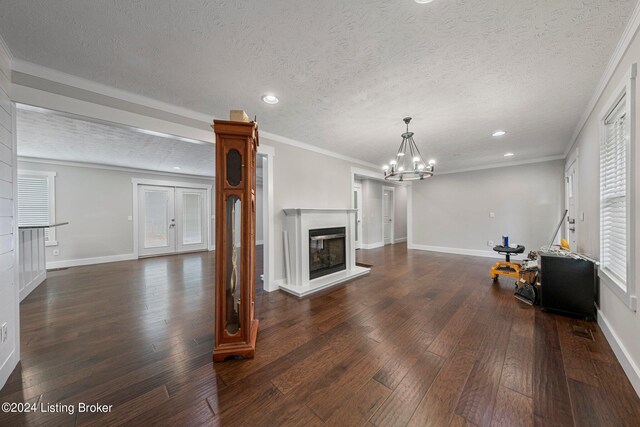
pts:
[357, 205]
[171, 219]
[387, 214]
[571, 195]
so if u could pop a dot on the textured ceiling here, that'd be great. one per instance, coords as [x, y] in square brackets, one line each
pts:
[346, 72]
[50, 135]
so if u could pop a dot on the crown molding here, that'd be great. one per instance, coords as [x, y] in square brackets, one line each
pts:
[623, 44]
[110, 167]
[506, 164]
[45, 73]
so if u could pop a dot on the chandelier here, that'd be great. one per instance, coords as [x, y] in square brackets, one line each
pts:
[408, 164]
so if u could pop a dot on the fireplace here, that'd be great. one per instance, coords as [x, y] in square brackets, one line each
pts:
[326, 251]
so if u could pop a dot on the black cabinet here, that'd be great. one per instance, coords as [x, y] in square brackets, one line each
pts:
[568, 285]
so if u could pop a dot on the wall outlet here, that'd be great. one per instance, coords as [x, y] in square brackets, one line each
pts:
[5, 332]
[490, 243]
[56, 252]
[129, 218]
[492, 214]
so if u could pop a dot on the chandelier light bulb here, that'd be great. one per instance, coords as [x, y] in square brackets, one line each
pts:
[432, 162]
[385, 168]
[414, 167]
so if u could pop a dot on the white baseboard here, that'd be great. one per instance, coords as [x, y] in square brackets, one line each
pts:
[259, 242]
[457, 251]
[628, 365]
[276, 285]
[400, 240]
[372, 245]
[89, 261]
[32, 285]
[7, 368]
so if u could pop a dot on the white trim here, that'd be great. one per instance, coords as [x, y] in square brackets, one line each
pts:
[622, 354]
[457, 251]
[268, 226]
[626, 89]
[35, 282]
[393, 213]
[357, 188]
[400, 240]
[505, 164]
[572, 159]
[259, 242]
[110, 167]
[88, 85]
[326, 282]
[623, 44]
[89, 261]
[410, 217]
[372, 245]
[9, 364]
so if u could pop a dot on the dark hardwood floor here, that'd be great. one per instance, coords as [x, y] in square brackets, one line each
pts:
[425, 339]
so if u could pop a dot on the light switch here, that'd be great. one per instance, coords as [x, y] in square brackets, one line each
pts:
[129, 218]
[492, 214]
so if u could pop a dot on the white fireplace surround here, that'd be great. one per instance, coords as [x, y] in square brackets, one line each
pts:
[296, 241]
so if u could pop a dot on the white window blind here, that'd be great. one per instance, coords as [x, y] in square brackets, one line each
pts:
[614, 224]
[35, 201]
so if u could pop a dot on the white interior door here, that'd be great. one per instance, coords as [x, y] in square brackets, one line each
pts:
[357, 204]
[387, 215]
[191, 219]
[156, 220]
[571, 183]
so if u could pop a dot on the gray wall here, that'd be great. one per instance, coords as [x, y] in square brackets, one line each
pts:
[372, 211]
[97, 204]
[453, 210]
[619, 318]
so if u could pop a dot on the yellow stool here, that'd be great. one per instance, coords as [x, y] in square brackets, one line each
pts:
[506, 267]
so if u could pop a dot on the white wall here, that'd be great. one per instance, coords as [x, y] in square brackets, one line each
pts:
[9, 300]
[453, 210]
[97, 204]
[620, 323]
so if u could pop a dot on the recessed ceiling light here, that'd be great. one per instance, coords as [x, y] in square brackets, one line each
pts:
[509, 155]
[270, 99]
[177, 168]
[499, 133]
[423, 1]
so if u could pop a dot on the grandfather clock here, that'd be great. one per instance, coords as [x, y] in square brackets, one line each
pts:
[236, 327]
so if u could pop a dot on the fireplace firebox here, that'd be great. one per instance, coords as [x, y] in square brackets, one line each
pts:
[326, 251]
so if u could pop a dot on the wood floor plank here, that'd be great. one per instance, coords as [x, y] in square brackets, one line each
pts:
[399, 407]
[425, 339]
[551, 401]
[512, 409]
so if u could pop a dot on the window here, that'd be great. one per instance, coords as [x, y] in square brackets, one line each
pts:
[617, 266]
[36, 201]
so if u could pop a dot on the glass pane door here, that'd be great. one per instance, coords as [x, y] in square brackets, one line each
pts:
[156, 222]
[191, 222]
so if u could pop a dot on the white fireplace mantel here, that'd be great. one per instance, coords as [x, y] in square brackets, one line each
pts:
[298, 223]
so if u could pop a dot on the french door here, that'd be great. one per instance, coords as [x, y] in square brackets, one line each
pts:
[171, 220]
